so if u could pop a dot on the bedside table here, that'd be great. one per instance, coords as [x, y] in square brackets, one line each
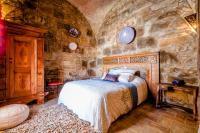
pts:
[183, 97]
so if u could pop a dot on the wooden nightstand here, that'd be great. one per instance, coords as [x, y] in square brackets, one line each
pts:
[184, 97]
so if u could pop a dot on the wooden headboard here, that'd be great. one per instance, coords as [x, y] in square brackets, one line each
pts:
[147, 61]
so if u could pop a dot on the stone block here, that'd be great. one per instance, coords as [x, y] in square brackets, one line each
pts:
[84, 63]
[101, 41]
[168, 14]
[58, 13]
[99, 61]
[92, 64]
[130, 47]
[91, 72]
[157, 27]
[146, 42]
[139, 31]
[89, 33]
[168, 58]
[174, 40]
[103, 33]
[107, 51]
[60, 25]
[116, 50]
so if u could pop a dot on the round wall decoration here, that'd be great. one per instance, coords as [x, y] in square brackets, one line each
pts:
[72, 46]
[73, 32]
[127, 35]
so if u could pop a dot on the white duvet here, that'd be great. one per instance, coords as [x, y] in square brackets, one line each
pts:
[100, 102]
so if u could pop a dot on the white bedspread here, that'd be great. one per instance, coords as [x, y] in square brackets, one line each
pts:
[100, 102]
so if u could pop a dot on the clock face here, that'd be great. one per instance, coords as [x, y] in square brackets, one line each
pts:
[127, 35]
[73, 32]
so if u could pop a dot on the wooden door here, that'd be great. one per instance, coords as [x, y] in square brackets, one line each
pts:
[23, 66]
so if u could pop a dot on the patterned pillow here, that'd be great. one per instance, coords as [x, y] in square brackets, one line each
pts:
[126, 77]
[110, 77]
[104, 75]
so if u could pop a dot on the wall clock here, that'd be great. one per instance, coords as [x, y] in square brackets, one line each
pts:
[127, 35]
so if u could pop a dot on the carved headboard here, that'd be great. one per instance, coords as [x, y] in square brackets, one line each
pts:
[145, 61]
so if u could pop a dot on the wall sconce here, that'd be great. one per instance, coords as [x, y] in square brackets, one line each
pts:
[127, 35]
[192, 20]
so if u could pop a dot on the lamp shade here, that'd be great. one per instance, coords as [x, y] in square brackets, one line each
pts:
[72, 46]
[127, 35]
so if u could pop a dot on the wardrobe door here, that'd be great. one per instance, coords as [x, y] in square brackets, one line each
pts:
[23, 68]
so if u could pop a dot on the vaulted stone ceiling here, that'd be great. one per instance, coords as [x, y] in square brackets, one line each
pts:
[96, 10]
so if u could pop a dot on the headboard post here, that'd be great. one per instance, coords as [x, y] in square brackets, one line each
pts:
[149, 61]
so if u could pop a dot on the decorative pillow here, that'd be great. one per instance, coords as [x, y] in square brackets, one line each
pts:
[126, 77]
[110, 77]
[104, 75]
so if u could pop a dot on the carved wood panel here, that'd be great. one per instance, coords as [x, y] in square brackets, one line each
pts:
[40, 48]
[22, 84]
[147, 61]
[40, 65]
[152, 59]
[21, 61]
[22, 54]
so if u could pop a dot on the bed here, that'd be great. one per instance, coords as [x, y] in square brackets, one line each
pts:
[101, 102]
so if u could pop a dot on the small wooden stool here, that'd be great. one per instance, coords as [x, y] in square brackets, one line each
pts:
[53, 89]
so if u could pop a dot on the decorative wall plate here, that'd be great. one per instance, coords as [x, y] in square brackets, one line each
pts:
[127, 35]
[73, 32]
[72, 46]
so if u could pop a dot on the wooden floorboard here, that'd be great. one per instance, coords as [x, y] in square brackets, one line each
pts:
[147, 119]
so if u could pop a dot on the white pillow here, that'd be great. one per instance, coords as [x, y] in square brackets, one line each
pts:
[104, 75]
[126, 77]
[118, 71]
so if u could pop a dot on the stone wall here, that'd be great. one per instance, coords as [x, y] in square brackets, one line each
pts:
[55, 15]
[160, 26]
[198, 101]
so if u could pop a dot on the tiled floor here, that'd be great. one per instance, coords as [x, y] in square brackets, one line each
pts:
[147, 119]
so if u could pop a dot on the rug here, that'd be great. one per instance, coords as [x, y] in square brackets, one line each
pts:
[53, 119]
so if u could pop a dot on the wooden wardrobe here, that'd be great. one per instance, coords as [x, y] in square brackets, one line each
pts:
[24, 64]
